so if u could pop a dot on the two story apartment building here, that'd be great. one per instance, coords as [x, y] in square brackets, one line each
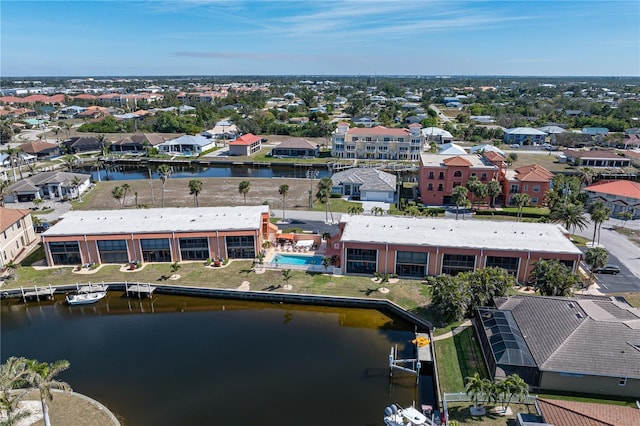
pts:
[439, 174]
[533, 180]
[377, 143]
[16, 233]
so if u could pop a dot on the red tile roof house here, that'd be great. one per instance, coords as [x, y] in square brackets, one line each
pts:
[417, 246]
[439, 174]
[245, 145]
[533, 180]
[158, 235]
[618, 195]
[16, 233]
[41, 149]
[573, 413]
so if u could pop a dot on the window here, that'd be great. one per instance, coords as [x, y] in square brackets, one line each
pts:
[156, 250]
[430, 187]
[536, 188]
[361, 261]
[457, 174]
[514, 188]
[534, 200]
[400, 139]
[441, 175]
[440, 187]
[623, 381]
[510, 264]
[65, 253]
[194, 248]
[453, 264]
[411, 264]
[525, 188]
[113, 251]
[241, 247]
[483, 176]
[430, 175]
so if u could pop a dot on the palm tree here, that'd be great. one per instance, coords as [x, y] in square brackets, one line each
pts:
[4, 190]
[586, 175]
[520, 200]
[125, 188]
[459, 197]
[195, 187]
[493, 190]
[326, 262]
[480, 192]
[286, 276]
[570, 215]
[377, 211]
[474, 386]
[175, 267]
[244, 187]
[355, 209]
[515, 385]
[599, 214]
[69, 161]
[412, 211]
[42, 376]
[595, 257]
[117, 193]
[324, 195]
[13, 374]
[283, 190]
[75, 183]
[164, 171]
[13, 154]
[471, 185]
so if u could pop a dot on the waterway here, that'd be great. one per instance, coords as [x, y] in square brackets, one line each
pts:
[127, 172]
[184, 360]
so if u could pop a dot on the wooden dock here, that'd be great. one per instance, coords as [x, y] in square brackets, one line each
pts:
[140, 290]
[91, 288]
[38, 292]
[424, 351]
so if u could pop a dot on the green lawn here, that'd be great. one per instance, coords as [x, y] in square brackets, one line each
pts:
[458, 357]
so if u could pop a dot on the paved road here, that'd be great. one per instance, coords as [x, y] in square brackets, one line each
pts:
[622, 252]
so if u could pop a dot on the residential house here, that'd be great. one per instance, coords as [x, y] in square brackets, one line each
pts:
[48, 185]
[80, 144]
[16, 233]
[365, 184]
[524, 136]
[618, 195]
[418, 246]
[558, 412]
[40, 149]
[436, 134]
[186, 145]
[296, 148]
[439, 174]
[533, 180]
[587, 345]
[245, 145]
[595, 131]
[224, 129]
[380, 143]
[480, 149]
[452, 149]
[137, 142]
[596, 158]
[158, 235]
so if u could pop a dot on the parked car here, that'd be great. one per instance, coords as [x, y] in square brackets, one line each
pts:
[514, 145]
[607, 269]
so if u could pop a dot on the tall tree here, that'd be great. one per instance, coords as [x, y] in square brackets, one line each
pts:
[69, 161]
[125, 189]
[480, 192]
[286, 276]
[283, 190]
[599, 214]
[459, 197]
[520, 201]
[515, 387]
[13, 374]
[117, 193]
[76, 182]
[324, 195]
[595, 257]
[243, 188]
[42, 377]
[474, 386]
[570, 215]
[552, 278]
[450, 297]
[164, 171]
[195, 187]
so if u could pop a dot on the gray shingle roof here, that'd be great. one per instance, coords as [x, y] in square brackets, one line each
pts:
[369, 179]
[595, 336]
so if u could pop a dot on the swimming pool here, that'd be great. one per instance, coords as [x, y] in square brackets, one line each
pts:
[296, 259]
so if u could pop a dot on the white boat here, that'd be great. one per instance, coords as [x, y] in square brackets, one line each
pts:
[396, 416]
[85, 298]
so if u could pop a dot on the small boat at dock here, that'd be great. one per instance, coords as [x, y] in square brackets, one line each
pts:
[410, 416]
[85, 298]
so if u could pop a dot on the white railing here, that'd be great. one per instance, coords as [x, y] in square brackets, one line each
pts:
[280, 265]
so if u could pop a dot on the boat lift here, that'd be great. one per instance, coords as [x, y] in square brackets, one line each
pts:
[409, 365]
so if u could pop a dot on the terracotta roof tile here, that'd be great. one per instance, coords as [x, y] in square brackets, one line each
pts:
[573, 413]
[457, 161]
[247, 139]
[10, 216]
[621, 188]
[533, 173]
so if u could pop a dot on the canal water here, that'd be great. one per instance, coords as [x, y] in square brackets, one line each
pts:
[197, 361]
[126, 172]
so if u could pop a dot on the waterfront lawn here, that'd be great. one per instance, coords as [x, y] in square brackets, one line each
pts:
[458, 357]
[459, 411]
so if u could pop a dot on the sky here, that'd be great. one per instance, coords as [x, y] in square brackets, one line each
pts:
[321, 37]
